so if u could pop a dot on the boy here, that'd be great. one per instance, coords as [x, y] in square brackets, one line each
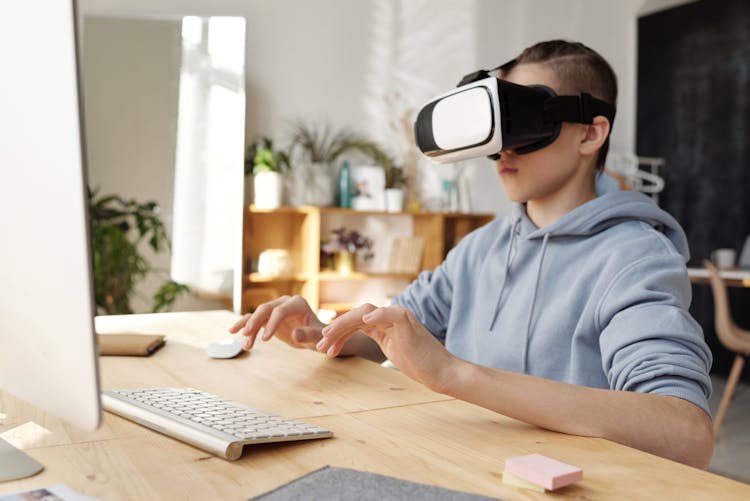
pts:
[570, 314]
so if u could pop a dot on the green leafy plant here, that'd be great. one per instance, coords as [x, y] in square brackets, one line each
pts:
[262, 156]
[321, 144]
[118, 227]
[395, 177]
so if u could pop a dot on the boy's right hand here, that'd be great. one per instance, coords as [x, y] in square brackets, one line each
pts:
[289, 318]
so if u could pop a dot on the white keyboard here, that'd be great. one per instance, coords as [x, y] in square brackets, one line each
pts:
[204, 420]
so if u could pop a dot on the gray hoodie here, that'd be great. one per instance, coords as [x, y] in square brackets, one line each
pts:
[599, 298]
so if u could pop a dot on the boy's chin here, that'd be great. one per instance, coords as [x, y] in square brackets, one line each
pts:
[515, 197]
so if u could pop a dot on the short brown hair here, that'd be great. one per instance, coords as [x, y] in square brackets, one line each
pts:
[578, 69]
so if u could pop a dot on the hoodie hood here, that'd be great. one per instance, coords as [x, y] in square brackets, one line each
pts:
[604, 212]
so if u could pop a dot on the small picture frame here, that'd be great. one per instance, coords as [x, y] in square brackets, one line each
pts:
[406, 255]
[368, 188]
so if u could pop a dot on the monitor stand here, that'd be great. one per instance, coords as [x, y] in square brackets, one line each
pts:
[15, 464]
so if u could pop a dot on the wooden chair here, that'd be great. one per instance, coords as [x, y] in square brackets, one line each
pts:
[731, 337]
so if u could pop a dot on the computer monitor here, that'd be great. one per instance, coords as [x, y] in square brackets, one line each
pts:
[48, 351]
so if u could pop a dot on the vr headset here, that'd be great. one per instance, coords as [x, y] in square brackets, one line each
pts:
[485, 115]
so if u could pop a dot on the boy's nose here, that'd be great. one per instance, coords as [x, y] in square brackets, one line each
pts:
[505, 155]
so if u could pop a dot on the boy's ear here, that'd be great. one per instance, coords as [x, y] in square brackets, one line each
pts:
[596, 134]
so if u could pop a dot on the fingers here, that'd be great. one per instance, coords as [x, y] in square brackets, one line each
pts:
[279, 311]
[337, 346]
[290, 319]
[342, 329]
[387, 315]
[253, 322]
[389, 321]
[238, 326]
[239, 323]
[306, 335]
[284, 312]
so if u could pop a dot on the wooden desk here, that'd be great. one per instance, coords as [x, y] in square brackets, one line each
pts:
[733, 277]
[383, 422]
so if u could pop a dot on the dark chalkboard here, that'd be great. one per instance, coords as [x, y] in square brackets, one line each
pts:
[694, 111]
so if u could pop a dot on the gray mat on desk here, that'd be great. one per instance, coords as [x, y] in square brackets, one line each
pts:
[339, 484]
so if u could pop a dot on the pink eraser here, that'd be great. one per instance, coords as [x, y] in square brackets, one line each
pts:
[543, 471]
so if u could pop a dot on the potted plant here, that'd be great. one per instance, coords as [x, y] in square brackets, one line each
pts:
[343, 248]
[395, 186]
[118, 228]
[314, 152]
[265, 164]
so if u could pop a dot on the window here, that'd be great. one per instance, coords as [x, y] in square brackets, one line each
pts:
[207, 234]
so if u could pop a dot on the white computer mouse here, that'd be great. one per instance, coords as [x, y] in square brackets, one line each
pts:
[226, 348]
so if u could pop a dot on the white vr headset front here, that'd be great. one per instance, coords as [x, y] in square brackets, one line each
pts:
[485, 115]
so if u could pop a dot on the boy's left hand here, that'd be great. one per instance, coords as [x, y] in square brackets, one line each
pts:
[406, 343]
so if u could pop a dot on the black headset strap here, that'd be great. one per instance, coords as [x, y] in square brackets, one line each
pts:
[578, 109]
[473, 77]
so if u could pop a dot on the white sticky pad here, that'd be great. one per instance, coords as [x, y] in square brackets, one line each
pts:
[543, 471]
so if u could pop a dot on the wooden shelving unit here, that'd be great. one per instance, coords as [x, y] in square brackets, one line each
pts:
[298, 231]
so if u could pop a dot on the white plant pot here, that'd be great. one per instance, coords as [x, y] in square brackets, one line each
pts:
[268, 188]
[394, 199]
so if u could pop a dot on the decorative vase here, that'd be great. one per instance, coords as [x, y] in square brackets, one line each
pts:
[313, 184]
[343, 262]
[320, 192]
[268, 188]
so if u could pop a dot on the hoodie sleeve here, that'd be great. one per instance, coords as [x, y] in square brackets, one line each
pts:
[430, 296]
[649, 342]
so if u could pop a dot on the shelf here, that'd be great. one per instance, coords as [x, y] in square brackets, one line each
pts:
[332, 276]
[279, 210]
[352, 212]
[337, 307]
[257, 278]
[307, 209]
[326, 276]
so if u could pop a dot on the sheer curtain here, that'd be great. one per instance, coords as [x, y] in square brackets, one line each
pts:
[207, 234]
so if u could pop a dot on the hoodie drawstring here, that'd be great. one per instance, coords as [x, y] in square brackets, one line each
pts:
[508, 256]
[533, 302]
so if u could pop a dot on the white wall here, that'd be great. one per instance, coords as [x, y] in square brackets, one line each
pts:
[607, 27]
[309, 59]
